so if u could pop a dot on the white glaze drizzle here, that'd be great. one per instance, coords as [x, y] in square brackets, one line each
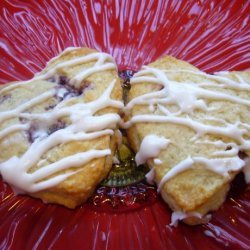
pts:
[65, 51]
[13, 128]
[82, 119]
[157, 161]
[189, 96]
[85, 125]
[100, 65]
[227, 149]
[221, 166]
[220, 77]
[36, 100]
[26, 182]
[179, 215]
[83, 122]
[150, 148]
[231, 130]
[150, 176]
[14, 85]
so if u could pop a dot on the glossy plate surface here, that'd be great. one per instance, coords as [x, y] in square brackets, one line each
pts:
[212, 35]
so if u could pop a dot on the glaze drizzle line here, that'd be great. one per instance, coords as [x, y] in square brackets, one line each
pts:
[190, 96]
[84, 125]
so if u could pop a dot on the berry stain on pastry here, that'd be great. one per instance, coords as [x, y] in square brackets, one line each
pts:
[60, 127]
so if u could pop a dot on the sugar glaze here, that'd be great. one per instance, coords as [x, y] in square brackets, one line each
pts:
[84, 125]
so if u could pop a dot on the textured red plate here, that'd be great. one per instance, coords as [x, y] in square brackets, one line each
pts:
[213, 35]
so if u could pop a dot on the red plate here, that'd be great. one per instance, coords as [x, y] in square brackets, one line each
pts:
[213, 35]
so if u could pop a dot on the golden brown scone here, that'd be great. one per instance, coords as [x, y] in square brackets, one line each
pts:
[57, 130]
[198, 123]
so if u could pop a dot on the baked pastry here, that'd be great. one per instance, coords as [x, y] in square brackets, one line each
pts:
[57, 130]
[192, 129]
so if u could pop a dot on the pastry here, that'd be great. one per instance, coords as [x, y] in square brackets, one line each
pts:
[193, 130]
[57, 130]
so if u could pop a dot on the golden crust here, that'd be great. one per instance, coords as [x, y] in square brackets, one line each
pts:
[196, 189]
[78, 187]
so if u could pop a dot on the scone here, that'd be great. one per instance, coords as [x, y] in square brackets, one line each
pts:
[57, 130]
[192, 129]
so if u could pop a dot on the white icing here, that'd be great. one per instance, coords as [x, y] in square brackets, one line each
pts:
[157, 162]
[231, 130]
[61, 92]
[150, 147]
[83, 122]
[150, 176]
[13, 128]
[100, 65]
[179, 215]
[84, 125]
[69, 49]
[221, 166]
[220, 77]
[151, 108]
[33, 182]
[182, 166]
[227, 149]
[189, 96]
[36, 100]
[79, 77]
[14, 85]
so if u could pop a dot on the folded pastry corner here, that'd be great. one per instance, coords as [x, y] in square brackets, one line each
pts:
[191, 128]
[57, 130]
